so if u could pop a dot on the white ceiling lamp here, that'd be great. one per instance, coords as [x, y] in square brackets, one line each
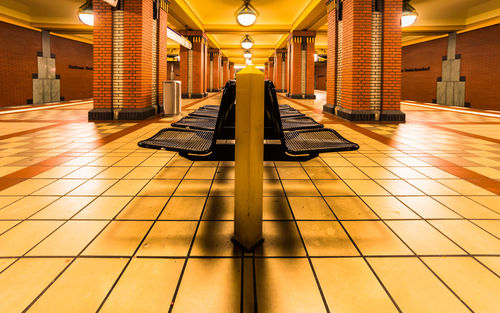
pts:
[409, 14]
[247, 54]
[86, 13]
[248, 61]
[246, 14]
[247, 42]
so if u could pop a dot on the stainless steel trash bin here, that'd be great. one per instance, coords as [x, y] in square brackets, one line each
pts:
[172, 97]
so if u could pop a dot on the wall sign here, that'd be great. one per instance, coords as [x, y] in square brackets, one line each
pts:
[76, 67]
[417, 69]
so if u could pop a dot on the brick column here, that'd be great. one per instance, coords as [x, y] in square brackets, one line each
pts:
[364, 59]
[301, 64]
[193, 65]
[213, 84]
[231, 71]
[225, 70]
[280, 70]
[129, 59]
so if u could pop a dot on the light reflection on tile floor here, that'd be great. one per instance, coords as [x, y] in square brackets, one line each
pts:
[115, 228]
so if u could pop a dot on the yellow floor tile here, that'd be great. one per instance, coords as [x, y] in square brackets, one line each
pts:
[4, 263]
[57, 172]
[220, 291]
[179, 161]
[316, 172]
[389, 208]
[143, 173]
[374, 238]
[183, 208]
[25, 280]
[4, 201]
[201, 173]
[142, 289]
[226, 173]
[349, 172]
[118, 238]
[65, 295]
[157, 161]
[6, 225]
[474, 284]
[432, 187]
[336, 162]
[292, 173]
[491, 226]
[172, 172]
[299, 187]
[350, 208]
[159, 188]
[69, 239]
[434, 172]
[26, 187]
[63, 208]
[114, 173]
[276, 244]
[222, 187]
[103, 208]
[333, 188]
[399, 187]
[414, 287]
[129, 187]
[406, 172]
[18, 240]
[490, 202]
[199, 187]
[287, 285]
[467, 208]
[423, 239]
[468, 236]
[464, 187]
[214, 239]
[276, 208]
[219, 208]
[375, 172]
[272, 188]
[491, 262]
[143, 208]
[349, 286]
[25, 207]
[93, 187]
[428, 207]
[310, 208]
[366, 187]
[86, 172]
[168, 238]
[326, 238]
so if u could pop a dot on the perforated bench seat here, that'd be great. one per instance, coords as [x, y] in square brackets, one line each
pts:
[181, 140]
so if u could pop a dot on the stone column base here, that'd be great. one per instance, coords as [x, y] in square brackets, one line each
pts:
[213, 90]
[280, 90]
[392, 116]
[123, 114]
[329, 108]
[366, 115]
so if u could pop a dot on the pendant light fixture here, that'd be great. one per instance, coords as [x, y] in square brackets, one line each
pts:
[409, 14]
[247, 54]
[247, 42]
[86, 13]
[246, 14]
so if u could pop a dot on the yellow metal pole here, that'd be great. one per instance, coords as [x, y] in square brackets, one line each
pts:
[249, 157]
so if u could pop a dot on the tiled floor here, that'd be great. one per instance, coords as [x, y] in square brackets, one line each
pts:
[409, 223]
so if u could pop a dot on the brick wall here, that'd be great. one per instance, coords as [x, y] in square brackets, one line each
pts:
[332, 54]
[18, 62]
[102, 54]
[480, 61]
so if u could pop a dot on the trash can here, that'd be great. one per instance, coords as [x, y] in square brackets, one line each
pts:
[172, 97]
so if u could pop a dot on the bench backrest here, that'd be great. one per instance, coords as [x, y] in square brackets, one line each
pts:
[226, 106]
[272, 109]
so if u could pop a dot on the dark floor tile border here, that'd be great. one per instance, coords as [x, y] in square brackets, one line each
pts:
[477, 179]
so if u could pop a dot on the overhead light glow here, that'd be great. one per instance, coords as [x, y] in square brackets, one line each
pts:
[172, 34]
[316, 57]
[248, 61]
[86, 13]
[409, 14]
[247, 55]
[247, 42]
[239, 67]
[247, 15]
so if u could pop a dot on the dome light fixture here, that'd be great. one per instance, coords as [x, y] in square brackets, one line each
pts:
[86, 13]
[246, 14]
[247, 54]
[409, 14]
[248, 61]
[247, 42]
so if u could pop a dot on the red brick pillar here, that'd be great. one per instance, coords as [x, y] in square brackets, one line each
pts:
[301, 64]
[193, 65]
[225, 70]
[364, 59]
[231, 71]
[213, 84]
[129, 59]
[280, 70]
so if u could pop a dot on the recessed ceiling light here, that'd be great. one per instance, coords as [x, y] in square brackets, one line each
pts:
[246, 15]
[409, 14]
[86, 13]
[247, 42]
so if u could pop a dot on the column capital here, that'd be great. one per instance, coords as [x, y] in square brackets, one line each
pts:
[194, 35]
[331, 5]
[280, 51]
[299, 34]
[213, 50]
[224, 59]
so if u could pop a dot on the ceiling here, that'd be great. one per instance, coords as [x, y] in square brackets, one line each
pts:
[276, 19]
